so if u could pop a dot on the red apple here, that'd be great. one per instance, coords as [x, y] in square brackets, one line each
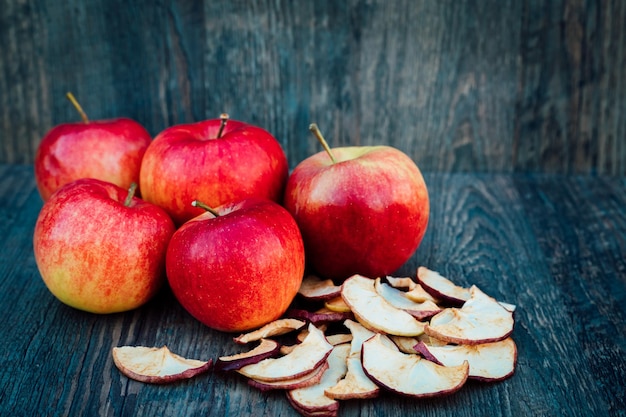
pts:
[100, 249]
[215, 161]
[361, 209]
[240, 269]
[109, 150]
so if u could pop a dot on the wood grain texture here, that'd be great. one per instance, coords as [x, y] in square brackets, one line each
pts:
[490, 86]
[553, 245]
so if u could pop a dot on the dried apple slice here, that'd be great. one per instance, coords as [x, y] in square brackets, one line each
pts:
[401, 282]
[374, 312]
[274, 328]
[302, 360]
[322, 315]
[441, 287]
[312, 400]
[286, 384]
[156, 365]
[398, 299]
[487, 361]
[337, 304]
[409, 374]
[481, 319]
[420, 295]
[267, 348]
[314, 288]
[355, 385]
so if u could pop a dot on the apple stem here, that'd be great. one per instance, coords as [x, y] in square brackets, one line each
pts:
[316, 131]
[131, 194]
[78, 107]
[224, 119]
[200, 204]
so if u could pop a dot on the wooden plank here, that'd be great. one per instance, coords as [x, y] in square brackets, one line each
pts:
[552, 245]
[581, 230]
[460, 86]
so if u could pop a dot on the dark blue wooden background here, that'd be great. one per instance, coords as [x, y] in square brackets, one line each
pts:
[460, 85]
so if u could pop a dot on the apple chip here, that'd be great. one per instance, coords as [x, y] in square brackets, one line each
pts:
[398, 299]
[409, 374]
[322, 315]
[337, 304]
[487, 361]
[156, 365]
[401, 283]
[314, 288]
[302, 360]
[300, 382]
[420, 295]
[266, 349]
[441, 287]
[374, 312]
[274, 328]
[481, 319]
[313, 400]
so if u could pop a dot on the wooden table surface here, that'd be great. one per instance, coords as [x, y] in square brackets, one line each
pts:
[553, 245]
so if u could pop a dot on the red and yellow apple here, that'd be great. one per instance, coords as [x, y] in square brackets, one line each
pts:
[109, 150]
[238, 266]
[99, 248]
[361, 209]
[216, 161]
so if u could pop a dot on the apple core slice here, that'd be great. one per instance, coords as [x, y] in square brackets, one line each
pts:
[374, 312]
[481, 319]
[409, 374]
[302, 360]
[156, 365]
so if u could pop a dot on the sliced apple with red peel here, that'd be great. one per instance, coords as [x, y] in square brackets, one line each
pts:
[420, 295]
[481, 319]
[267, 348]
[337, 304]
[405, 344]
[274, 328]
[446, 290]
[374, 312]
[286, 384]
[398, 299]
[487, 361]
[355, 385]
[322, 315]
[441, 287]
[156, 365]
[312, 400]
[409, 374]
[401, 282]
[302, 360]
[314, 288]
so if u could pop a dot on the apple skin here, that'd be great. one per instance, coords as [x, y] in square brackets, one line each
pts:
[109, 150]
[365, 214]
[188, 161]
[240, 270]
[97, 255]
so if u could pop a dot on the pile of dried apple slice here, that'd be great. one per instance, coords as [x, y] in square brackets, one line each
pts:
[418, 338]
